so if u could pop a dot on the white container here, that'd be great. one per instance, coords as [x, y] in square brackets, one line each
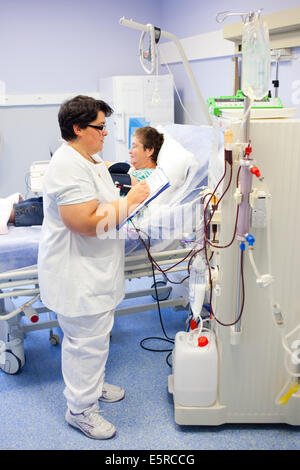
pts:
[195, 369]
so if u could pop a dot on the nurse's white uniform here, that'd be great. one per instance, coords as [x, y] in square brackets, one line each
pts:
[81, 278]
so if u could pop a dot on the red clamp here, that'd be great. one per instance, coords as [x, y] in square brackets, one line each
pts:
[248, 150]
[255, 171]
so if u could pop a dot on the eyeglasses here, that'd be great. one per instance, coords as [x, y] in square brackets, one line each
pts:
[100, 128]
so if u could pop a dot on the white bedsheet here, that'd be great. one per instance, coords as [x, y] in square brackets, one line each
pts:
[19, 248]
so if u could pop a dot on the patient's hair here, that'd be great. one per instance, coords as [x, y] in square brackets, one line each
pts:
[151, 139]
[81, 110]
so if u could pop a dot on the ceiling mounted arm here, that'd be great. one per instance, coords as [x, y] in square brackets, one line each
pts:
[172, 37]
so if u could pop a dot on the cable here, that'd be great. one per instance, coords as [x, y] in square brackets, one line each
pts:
[177, 92]
[167, 338]
[191, 254]
[208, 242]
[152, 260]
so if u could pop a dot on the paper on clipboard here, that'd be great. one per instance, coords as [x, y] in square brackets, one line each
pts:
[157, 183]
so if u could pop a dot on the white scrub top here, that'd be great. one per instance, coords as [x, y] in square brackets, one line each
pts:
[78, 275]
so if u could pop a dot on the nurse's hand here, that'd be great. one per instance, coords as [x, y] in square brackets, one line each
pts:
[138, 193]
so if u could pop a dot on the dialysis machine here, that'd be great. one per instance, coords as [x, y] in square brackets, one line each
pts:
[250, 369]
[241, 363]
[244, 365]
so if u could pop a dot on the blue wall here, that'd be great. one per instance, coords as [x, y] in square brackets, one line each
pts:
[58, 46]
[67, 45]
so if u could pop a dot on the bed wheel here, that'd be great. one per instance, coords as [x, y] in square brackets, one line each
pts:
[12, 363]
[54, 339]
[162, 295]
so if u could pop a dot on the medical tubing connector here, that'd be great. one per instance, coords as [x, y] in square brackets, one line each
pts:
[262, 280]
[151, 53]
[243, 225]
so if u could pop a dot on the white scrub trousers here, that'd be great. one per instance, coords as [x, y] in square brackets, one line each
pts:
[85, 348]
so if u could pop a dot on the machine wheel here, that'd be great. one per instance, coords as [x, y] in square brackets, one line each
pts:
[12, 364]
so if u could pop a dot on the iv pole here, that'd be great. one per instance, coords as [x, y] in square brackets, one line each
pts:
[172, 37]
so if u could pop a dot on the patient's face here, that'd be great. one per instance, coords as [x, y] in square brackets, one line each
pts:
[139, 157]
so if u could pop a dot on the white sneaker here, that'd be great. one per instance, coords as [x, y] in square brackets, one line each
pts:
[91, 423]
[112, 393]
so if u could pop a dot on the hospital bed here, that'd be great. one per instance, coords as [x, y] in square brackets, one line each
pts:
[184, 157]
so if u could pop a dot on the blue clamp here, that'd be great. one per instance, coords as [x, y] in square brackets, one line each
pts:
[242, 246]
[250, 239]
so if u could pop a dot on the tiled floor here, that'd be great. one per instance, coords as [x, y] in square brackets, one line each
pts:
[32, 405]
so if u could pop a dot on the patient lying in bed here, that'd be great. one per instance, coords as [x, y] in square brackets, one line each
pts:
[184, 157]
[145, 146]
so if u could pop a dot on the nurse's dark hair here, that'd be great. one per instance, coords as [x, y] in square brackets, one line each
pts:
[81, 110]
[151, 139]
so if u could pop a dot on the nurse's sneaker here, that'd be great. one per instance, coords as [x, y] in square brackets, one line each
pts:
[91, 423]
[111, 393]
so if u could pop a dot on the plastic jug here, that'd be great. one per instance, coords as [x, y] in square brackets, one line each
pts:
[195, 368]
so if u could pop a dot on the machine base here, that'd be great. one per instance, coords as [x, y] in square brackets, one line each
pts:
[218, 414]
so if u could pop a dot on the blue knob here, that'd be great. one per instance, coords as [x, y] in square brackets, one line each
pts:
[250, 239]
[242, 246]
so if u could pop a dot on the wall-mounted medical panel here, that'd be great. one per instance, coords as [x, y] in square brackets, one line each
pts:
[148, 99]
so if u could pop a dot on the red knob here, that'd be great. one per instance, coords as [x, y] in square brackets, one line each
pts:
[255, 171]
[248, 150]
[202, 341]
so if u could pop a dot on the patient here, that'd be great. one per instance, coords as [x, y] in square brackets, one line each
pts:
[146, 143]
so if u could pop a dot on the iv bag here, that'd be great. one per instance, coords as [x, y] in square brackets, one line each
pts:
[256, 59]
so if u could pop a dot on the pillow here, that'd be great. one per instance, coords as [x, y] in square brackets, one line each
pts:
[195, 139]
[175, 160]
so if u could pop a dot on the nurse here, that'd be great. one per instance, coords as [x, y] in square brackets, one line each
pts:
[81, 271]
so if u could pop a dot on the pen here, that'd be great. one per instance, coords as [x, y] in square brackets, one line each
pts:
[122, 185]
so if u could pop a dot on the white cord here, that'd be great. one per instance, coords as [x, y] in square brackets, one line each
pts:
[177, 92]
